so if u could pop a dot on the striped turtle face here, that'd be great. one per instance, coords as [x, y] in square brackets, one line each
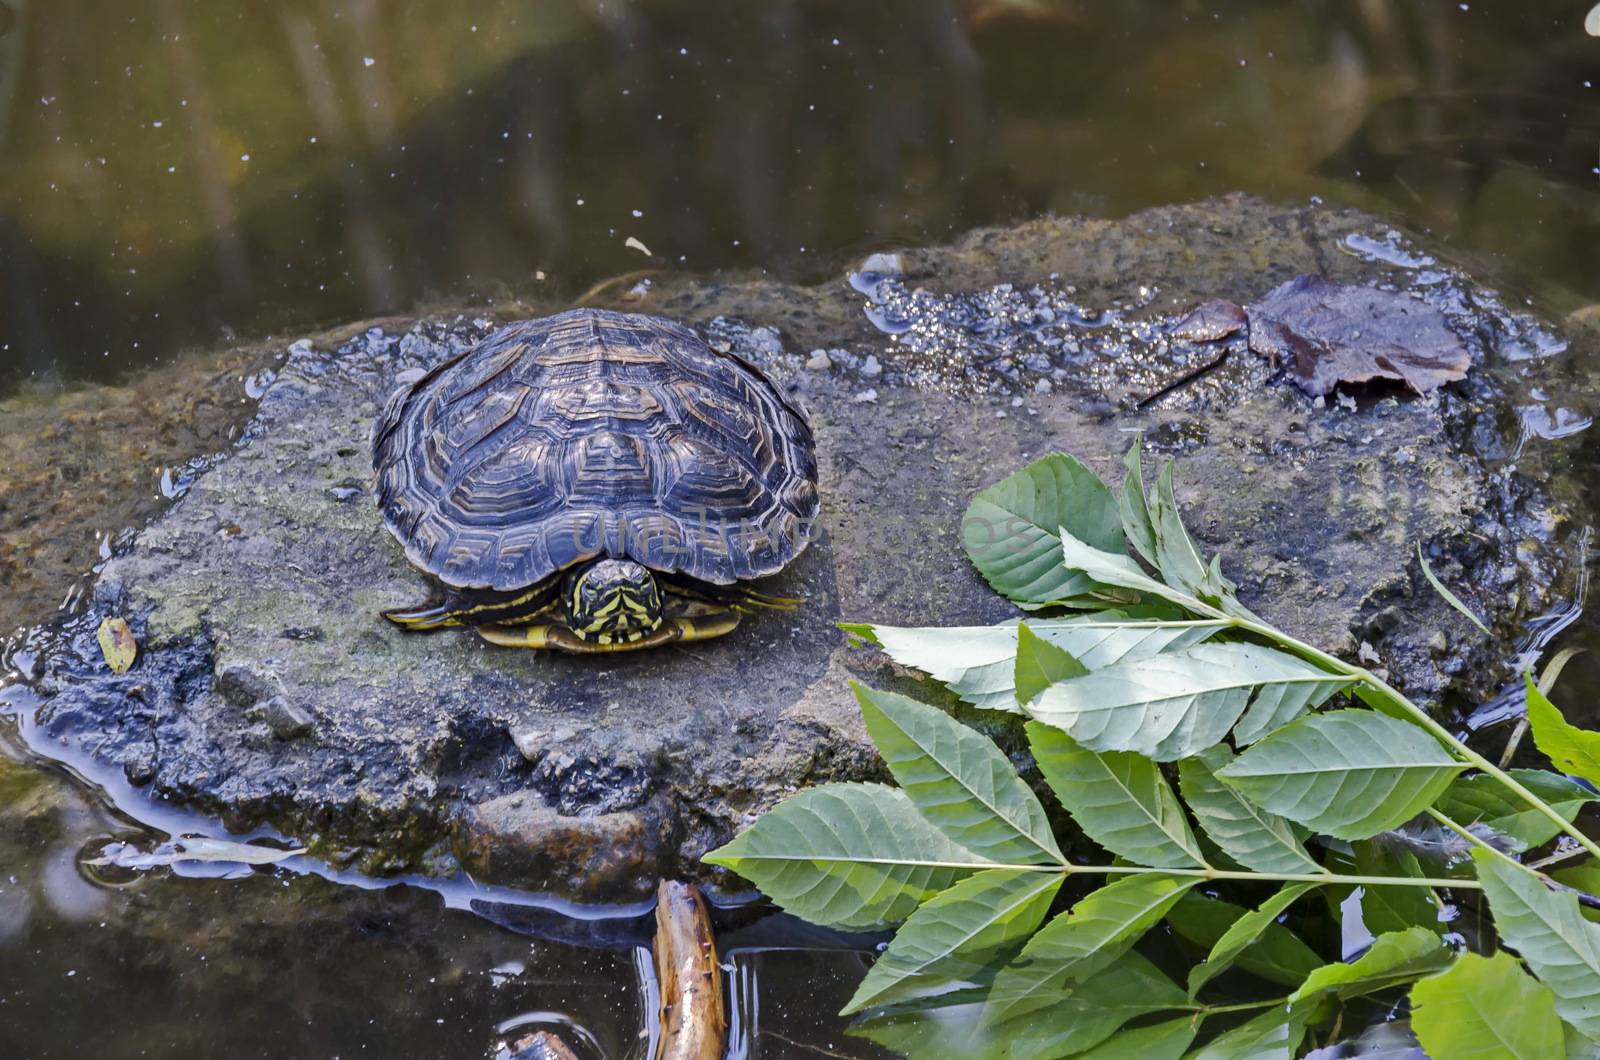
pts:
[613, 601]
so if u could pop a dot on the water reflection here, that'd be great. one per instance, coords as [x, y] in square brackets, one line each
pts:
[221, 960]
[191, 171]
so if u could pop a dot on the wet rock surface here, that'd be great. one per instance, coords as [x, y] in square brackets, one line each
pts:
[269, 692]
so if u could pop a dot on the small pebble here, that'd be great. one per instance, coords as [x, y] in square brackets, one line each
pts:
[870, 367]
[819, 361]
[1042, 387]
[866, 397]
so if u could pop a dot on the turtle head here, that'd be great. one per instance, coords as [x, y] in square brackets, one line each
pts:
[612, 601]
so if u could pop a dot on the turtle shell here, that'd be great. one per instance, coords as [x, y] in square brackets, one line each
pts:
[595, 434]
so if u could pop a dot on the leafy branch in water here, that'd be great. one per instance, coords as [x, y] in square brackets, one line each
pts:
[1297, 775]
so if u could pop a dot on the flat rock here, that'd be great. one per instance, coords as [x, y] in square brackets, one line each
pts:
[269, 692]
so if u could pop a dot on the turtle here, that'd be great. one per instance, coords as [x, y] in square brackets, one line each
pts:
[595, 481]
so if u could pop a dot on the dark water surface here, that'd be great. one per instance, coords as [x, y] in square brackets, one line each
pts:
[187, 173]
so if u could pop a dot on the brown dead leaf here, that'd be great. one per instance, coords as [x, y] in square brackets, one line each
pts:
[117, 645]
[1327, 333]
[1210, 321]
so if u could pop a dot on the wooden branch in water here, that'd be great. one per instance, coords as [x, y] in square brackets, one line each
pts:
[694, 1021]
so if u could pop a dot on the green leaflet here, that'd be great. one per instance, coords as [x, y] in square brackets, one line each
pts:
[1159, 1041]
[1393, 958]
[1057, 1022]
[954, 935]
[1449, 597]
[1075, 945]
[847, 856]
[1347, 773]
[1242, 934]
[1136, 521]
[1486, 1008]
[1116, 569]
[1482, 800]
[1118, 798]
[1248, 834]
[1010, 529]
[1584, 876]
[1177, 556]
[1545, 926]
[1179, 703]
[978, 663]
[1277, 955]
[1385, 908]
[958, 779]
[1273, 1035]
[1047, 1023]
[1573, 750]
[1041, 664]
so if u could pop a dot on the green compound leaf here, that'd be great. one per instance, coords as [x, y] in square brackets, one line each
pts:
[1118, 798]
[1179, 703]
[1248, 834]
[958, 779]
[1010, 529]
[1545, 926]
[1483, 800]
[1486, 1008]
[1041, 664]
[978, 663]
[955, 935]
[1093, 934]
[1242, 934]
[1573, 750]
[1277, 954]
[847, 856]
[1348, 773]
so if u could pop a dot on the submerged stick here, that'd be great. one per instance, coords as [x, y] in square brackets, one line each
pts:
[694, 1022]
[542, 1045]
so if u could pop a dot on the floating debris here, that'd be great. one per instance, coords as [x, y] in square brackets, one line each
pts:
[634, 244]
[192, 848]
[117, 645]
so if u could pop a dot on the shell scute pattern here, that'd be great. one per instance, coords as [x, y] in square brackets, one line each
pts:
[594, 434]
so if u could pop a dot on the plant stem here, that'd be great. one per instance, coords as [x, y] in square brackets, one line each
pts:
[1393, 696]
[1243, 1006]
[1324, 878]
[1069, 869]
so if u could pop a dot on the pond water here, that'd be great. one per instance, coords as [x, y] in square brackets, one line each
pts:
[189, 174]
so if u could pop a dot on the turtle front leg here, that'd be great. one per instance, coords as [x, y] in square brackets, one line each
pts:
[677, 630]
